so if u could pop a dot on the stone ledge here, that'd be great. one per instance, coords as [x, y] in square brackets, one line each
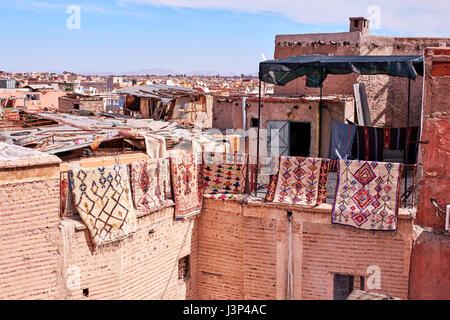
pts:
[105, 161]
[404, 214]
[324, 208]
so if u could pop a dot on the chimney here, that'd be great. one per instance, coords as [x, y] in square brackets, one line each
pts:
[360, 24]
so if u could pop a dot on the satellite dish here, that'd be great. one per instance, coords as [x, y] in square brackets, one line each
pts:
[263, 57]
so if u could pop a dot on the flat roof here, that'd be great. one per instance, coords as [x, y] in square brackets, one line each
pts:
[12, 156]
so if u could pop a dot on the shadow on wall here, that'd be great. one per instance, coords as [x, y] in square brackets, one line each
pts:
[388, 100]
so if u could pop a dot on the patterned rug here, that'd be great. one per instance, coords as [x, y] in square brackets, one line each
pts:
[224, 176]
[102, 197]
[187, 184]
[333, 165]
[367, 195]
[63, 187]
[370, 142]
[150, 182]
[271, 188]
[323, 179]
[266, 176]
[298, 181]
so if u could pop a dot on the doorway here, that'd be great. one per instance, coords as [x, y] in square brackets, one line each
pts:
[288, 138]
[299, 139]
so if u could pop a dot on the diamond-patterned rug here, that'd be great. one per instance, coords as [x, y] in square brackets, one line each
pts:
[224, 177]
[367, 195]
[271, 188]
[187, 184]
[298, 181]
[150, 182]
[323, 180]
[102, 197]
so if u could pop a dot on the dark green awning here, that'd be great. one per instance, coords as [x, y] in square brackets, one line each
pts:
[282, 71]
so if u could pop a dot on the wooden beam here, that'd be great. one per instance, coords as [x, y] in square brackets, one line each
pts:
[362, 105]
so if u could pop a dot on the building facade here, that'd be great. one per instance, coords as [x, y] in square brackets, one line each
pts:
[94, 104]
[387, 96]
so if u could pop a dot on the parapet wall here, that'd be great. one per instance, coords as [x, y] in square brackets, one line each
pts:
[29, 229]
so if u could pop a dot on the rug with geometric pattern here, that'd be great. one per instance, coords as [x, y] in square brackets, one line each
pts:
[224, 177]
[323, 180]
[187, 184]
[367, 195]
[271, 188]
[150, 182]
[298, 181]
[102, 197]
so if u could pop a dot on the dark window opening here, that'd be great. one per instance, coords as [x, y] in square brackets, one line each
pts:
[342, 286]
[299, 139]
[86, 292]
[254, 122]
[356, 23]
[361, 283]
[33, 97]
[76, 106]
[183, 268]
[313, 80]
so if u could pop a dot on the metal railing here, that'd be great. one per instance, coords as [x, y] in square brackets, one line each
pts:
[408, 192]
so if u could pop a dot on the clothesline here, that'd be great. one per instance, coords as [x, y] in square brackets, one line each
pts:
[349, 141]
[109, 199]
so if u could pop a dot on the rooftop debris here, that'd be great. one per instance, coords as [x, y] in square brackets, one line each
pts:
[68, 134]
[159, 91]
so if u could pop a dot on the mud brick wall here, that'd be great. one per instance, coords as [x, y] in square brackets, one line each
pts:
[243, 252]
[142, 267]
[430, 272]
[29, 232]
[387, 96]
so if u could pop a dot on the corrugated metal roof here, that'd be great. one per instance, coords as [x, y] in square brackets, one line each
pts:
[158, 91]
[77, 132]
[40, 86]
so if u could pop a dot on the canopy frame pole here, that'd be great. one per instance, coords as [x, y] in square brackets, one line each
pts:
[405, 160]
[320, 119]
[257, 143]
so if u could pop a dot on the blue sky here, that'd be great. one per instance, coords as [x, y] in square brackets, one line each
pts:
[185, 35]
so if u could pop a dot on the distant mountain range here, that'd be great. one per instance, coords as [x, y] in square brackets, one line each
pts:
[165, 72]
[156, 72]
[143, 72]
